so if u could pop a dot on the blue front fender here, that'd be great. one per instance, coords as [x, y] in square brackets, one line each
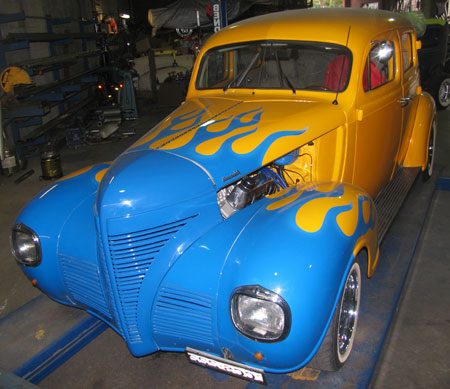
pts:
[299, 245]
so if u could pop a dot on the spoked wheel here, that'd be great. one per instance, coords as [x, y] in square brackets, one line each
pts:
[338, 342]
[427, 173]
[348, 313]
[443, 94]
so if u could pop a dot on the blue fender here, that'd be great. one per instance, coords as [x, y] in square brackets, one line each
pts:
[55, 215]
[299, 245]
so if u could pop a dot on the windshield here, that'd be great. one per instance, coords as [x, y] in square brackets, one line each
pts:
[276, 65]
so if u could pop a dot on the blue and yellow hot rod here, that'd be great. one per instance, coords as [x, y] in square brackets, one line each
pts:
[241, 228]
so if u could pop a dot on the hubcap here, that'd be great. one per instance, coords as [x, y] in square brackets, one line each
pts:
[444, 93]
[348, 315]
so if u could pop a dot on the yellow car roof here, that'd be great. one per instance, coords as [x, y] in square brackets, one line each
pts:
[316, 24]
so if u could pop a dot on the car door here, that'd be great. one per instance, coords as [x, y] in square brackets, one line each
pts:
[379, 112]
[410, 81]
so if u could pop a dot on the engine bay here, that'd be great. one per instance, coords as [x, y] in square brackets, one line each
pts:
[293, 168]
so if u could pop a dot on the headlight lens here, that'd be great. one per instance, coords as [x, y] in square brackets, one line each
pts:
[260, 314]
[25, 245]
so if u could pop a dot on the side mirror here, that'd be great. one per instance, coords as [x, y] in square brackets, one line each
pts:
[418, 45]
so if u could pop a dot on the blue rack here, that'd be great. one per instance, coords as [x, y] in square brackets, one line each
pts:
[64, 93]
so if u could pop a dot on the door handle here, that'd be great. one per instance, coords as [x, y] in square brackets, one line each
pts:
[404, 101]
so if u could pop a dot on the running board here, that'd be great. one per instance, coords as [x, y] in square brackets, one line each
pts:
[391, 198]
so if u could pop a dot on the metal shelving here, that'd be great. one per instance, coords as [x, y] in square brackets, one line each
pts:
[69, 94]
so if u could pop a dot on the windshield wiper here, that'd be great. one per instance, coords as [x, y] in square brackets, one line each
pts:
[283, 75]
[288, 82]
[233, 80]
[240, 77]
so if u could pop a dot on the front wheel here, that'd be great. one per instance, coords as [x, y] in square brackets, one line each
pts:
[338, 342]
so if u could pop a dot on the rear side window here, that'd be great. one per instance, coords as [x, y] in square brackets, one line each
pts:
[407, 51]
[379, 66]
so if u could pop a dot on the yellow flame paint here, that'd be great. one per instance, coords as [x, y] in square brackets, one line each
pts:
[170, 142]
[77, 173]
[310, 216]
[174, 141]
[211, 146]
[279, 146]
[100, 174]
[151, 135]
[250, 142]
[366, 211]
[348, 220]
[369, 241]
[323, 188]
[236, 126]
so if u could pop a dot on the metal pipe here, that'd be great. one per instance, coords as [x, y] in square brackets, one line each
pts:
[109, 112]
[23, 177]
[112, 119]
[49, 37]
[109, 129]
[2, 152]
[35, 90]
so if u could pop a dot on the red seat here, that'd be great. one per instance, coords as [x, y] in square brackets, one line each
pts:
[336, 74]
[376, 78]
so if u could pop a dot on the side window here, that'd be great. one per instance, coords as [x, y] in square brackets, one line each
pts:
[379, 67]
[407, 51]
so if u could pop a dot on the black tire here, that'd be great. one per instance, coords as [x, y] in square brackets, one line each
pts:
[443, 92]
[338, 342]
[428, 172]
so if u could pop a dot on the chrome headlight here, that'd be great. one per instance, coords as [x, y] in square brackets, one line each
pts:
[25, 245]
[260, 314]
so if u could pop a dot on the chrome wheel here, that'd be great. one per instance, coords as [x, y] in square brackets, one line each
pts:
[430, 162]
[348, 314]
[444, 93]
[337, 345]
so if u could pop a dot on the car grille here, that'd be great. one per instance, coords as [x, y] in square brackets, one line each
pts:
[181, 313]
[131, 256]
[83, 283]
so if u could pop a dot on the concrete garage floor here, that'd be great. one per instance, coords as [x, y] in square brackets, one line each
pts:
[416, 354]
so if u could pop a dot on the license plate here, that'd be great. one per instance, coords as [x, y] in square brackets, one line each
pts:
[226, 366]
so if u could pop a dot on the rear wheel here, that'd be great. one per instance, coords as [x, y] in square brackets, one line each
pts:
[443, 93]
[338, 342]
[427, 173]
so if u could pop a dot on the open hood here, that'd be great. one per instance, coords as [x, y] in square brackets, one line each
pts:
[230, 138]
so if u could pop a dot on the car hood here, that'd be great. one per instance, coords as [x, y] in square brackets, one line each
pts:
[230, 138]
